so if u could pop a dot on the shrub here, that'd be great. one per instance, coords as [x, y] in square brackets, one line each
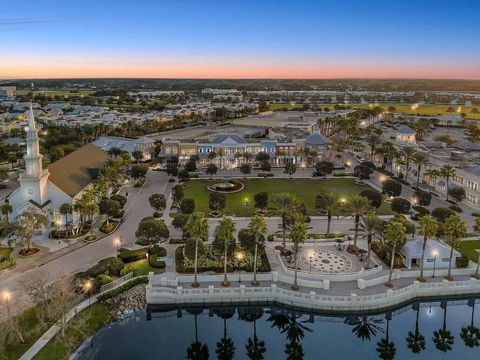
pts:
[132, 255]
[475, 214]
[101, 280]
[455, 208]
[155, 263]
[423, 197]
[122, 288]
[462, 261]
[140, 183]
[171, 180]
[176, 241]
[107, 228]
[150, 231]
[129, 268]
[180, 220]
[421, 210]
[7, 263]
[361, 171]
[178, 193]
[441, 214]
[392, 188]
[265, 174]
[122, 200]
[379, 249]
[115, 266]
[106, 266]
[157, 214]
[457, 192]
[270, 237]
[400, 205]
[398, 262]
[187, 206]
[374, 197]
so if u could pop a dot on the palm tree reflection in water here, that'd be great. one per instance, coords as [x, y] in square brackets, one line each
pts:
[471, 334]
[225, 347]
[197, 350]
[415, 340]
[255, 348]
[443, 338]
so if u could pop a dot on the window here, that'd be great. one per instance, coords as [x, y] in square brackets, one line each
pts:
[458, 179]
[472, 185]
[471, 198]
[272, 150]
[208, 150]
[445, 259]
[57, 216]
[200, 150]
[430, 260]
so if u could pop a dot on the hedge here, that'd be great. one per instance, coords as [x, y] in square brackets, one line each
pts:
[109, 265]
[455, 208]
[129, 256]
[122, 288]
[265, 174]
[154, 262]
[462, 261]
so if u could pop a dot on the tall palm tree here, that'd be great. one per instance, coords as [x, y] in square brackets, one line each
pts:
[91, 209]
[407, 152]
[66, 209]
[224, 242]
[282, 205]
[433, 174]
[6, 209]
[420, 159]
[258, 229]
[471, 334]
[474, 112]
[395, 237]
[415, 340]
[197, 350]
[331, 205]
[390, 152]
[455, 228]
[447, 171]
[373, 140]
[369, 227]
[386, 348]
[357, 206]
[197, 229]
[428, 227]
[298, 235]
[443, 338]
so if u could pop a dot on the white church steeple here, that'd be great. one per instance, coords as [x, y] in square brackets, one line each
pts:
[33, 159]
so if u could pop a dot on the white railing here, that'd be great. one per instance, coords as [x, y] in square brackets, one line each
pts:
[180, 295]
[116, 282]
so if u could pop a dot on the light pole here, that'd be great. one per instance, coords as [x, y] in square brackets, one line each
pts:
[310, 257]
[88, 288]
[246, 206]
[57, 228]
[303, 169]
[239, 257]
[435, 253]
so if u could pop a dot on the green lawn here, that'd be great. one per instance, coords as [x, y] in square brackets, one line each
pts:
[141, 267]
[469, 248]
[89, 321]
[5, 252]
[304, 189]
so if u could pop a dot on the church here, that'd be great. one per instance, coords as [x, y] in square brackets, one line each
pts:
[64, 181]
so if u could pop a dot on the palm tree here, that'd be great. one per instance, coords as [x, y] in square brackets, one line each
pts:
[224, 242]
[283, 204]
[364, 327]
[447, 171]
[428, 227]
[258, 229]
[66, 209]
[225, 347]
[386, 348]
[420, 159]
[474, 112]
[331, 205]
[455, 228]
[197, 350]
[197, 229]
[433, 174]
[443, 338]
[407, 152]
[471, 334]
[369, 227]
[390, 152]
[255, 348]
[395, 237]
[30, 222]
[298, 235]
[91, 208]
[358, 206]
[415, 340]
[373, 140]
[6, 209]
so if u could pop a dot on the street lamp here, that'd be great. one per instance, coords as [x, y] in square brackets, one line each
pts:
[88, 288]
[57, 229]
[118, 242]
[239, 256]
[435, 253]
[310, 258]
[246, 206]
[303, 169]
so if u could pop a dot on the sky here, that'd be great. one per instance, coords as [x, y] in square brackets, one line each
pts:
[240, 39]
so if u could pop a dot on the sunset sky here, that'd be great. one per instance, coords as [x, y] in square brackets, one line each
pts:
[240, 39]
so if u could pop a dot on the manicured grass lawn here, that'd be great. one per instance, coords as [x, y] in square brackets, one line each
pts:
[469, 248]
[5, 252]
[89, 321]
[141, 267]
[304, 189]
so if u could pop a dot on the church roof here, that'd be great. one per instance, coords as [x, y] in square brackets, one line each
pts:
[76, 170]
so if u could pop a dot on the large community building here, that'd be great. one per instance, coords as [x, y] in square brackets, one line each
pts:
[64, 181]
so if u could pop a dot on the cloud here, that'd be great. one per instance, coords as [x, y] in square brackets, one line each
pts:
[9, 24]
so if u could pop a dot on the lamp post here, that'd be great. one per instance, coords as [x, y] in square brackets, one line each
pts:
[310, 258]
[57, 229]
[239, 257]
[88, 288]
[303, 169]
[435, 253]
[246, 206]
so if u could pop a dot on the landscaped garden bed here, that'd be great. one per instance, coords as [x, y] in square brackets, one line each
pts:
[108, 227]
[28, 252]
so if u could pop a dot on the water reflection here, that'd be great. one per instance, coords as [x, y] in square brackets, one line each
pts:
[429, 330]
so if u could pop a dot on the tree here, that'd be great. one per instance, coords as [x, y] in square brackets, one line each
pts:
[245, 169]
[374, 197]
[261, 200]
[433, 174]
[369, 227]
[373, 140]
[137, 155]
[224, 243]
[394, 236]
[177, 193]
[298, 235]
[216, 201]
[290, 169]
[407, 152]
[258, 229]
[457, 192]
[357, 206]
[158, 202]
[211, 170]
[391, 188]
[401, 206]
[282, 205]
[330, 203]
[197, 229]
[265, 166]
[428, 227]
[151, 231]
[211, 156]
[11, 328]
[183, 175]
[262, 156]
[447, 171]
[30, 222]
[323, 168]
[187, 206]
[420, 159]
[138, 171]
[109, 207]
[6, 209]
[441, 214]
[455, 228]
[362, 171]
[172, 169]
[423, 197]
[191, 166]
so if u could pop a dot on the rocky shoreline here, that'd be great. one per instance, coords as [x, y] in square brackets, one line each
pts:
[127, 302]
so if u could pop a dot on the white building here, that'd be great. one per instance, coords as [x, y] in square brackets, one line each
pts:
[144, 144]
[437, 254]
